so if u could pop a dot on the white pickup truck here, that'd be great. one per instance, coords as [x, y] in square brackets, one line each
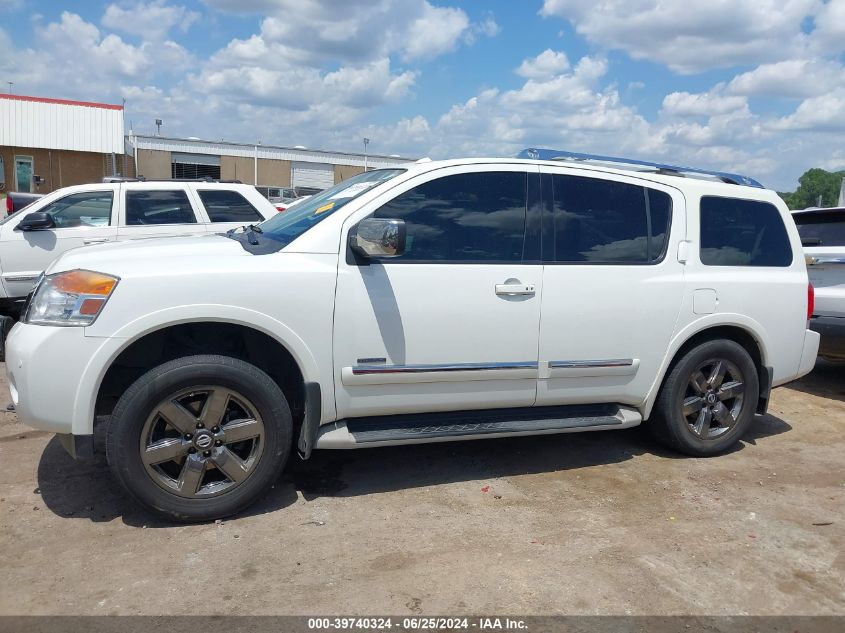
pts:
[450, 300]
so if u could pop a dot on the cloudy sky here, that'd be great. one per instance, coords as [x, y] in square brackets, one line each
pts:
[753, 86]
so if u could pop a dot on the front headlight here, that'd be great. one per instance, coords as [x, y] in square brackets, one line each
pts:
[75, 297]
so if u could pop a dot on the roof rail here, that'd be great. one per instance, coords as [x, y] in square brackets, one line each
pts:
[107, 179]
[661, 168]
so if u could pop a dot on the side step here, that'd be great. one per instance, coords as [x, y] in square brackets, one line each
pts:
[467, 425]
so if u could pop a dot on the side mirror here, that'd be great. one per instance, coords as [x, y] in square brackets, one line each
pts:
[377, 238]
[36, 221]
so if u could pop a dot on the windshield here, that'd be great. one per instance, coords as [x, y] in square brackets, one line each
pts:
[289, 225]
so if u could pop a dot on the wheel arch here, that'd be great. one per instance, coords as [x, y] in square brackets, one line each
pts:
[88, 399]
[742, 330]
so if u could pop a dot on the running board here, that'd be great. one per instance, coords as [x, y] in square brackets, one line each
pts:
[451, 426]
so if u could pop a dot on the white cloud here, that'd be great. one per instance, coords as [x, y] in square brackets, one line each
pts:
[824, 113]
[830, 25]
[436, 31]
[149, 20]
[546, 64]
[693, 35]
[685, 104]
[794, 78]
[315, 31]
[73, 58]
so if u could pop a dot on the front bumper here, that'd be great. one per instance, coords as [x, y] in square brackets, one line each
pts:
[50, 376]
[832, 331]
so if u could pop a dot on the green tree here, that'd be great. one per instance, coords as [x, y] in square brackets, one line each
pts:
[812, 184]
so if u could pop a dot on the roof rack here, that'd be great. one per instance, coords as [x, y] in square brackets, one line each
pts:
[660, 168]
[107, 179]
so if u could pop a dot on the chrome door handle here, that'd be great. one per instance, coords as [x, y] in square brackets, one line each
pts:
[515, 290]
[96, 241]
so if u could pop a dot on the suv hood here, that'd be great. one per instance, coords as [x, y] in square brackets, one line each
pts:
[151, 255]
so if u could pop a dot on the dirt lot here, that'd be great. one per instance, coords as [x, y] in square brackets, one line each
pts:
[577, 524]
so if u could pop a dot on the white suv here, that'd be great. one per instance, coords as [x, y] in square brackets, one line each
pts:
[450, 300]
[823, 238]
[108, 212]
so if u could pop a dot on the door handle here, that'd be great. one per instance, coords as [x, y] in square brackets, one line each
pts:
[99, 240]
[515, 289]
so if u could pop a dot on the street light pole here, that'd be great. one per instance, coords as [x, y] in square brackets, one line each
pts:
[366, 142]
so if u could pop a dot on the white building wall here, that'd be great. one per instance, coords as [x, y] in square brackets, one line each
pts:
[293, 154]
[56, 124]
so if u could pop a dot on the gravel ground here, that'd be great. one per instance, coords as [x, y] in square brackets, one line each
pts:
[591, 523]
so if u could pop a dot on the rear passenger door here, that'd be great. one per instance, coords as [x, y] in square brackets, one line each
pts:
[227, 209]
[612, 285]
[152, 210]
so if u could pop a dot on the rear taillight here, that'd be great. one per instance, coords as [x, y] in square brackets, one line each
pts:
[811, 300]
[9, 205]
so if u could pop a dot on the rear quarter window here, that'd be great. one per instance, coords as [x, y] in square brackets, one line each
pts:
[737, 232]
[228, 206]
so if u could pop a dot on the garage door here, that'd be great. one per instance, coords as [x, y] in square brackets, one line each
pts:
[312, 175]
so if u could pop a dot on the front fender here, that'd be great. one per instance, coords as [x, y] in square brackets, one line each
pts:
[112, 346]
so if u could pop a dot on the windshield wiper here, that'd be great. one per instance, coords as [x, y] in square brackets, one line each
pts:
[250, 230]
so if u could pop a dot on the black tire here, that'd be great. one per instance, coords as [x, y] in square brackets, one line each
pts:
[668, 423]
[139, 409]
[6, 323]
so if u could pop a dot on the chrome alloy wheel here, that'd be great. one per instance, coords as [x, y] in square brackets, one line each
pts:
[713, 399]
[202, 442]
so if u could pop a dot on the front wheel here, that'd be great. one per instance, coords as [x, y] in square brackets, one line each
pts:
[199, 437]
[708, 400]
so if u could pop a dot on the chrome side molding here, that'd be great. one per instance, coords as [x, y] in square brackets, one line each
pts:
[367, 370]
[585, 364]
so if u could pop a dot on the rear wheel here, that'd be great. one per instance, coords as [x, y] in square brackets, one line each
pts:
[200, 437]
[708, 400]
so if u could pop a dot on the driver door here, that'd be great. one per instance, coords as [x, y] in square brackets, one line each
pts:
[81, 218]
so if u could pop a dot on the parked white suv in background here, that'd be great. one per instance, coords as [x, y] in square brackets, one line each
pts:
[108, 212]
[450, 300]
[823, 238]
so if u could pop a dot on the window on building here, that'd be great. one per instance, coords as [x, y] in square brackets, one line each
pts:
[189, 171]
[90, 208]
[737, 232]
[158, 207]
[228, 206]
[600, 221]
[477, 217]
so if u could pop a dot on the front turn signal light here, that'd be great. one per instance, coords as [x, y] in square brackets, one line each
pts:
[75, 297]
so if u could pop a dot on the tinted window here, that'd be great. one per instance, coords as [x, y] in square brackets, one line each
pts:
[469, 217]
[158, 207]
[92, 208]
[738, 232]
[603, 221]
[821, 228]
[229, 206]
